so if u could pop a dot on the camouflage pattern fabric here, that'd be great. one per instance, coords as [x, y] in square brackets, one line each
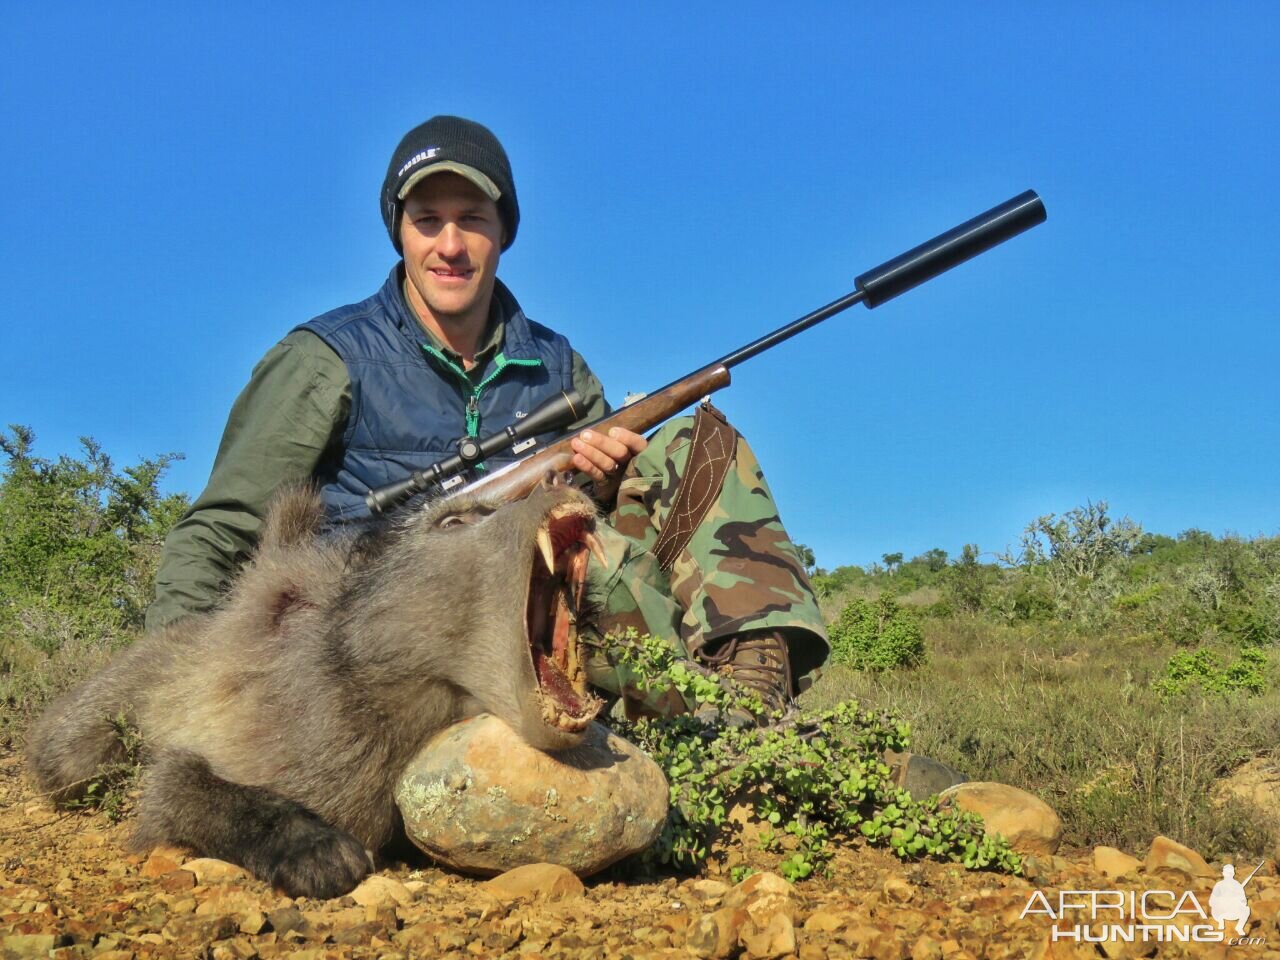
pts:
[738, 572]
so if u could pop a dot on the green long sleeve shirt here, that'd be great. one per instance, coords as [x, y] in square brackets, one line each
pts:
[287, 419]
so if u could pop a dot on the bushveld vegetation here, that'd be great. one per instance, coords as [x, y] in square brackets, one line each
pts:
[79, 544]
[1118, 674]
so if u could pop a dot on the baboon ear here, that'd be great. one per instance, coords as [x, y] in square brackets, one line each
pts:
[284, 606]
[293, 519]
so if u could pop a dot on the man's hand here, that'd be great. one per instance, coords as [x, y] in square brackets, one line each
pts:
[604, 458]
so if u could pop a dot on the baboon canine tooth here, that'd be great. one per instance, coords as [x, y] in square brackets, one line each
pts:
[594, 545]
[546, 549]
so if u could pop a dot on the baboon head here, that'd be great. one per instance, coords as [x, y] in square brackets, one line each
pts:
[489, 598]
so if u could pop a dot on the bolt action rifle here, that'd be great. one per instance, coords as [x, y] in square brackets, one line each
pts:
[872, 288]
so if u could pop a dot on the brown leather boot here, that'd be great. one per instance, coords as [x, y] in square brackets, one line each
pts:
[758, 661]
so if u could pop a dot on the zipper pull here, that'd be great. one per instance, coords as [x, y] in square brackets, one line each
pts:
[473, 416]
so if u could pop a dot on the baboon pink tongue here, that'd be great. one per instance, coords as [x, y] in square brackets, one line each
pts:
[556, 685]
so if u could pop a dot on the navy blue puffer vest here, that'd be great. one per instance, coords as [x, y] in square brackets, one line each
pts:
[410, 404]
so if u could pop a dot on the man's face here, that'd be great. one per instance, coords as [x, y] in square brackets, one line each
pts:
[451, 235]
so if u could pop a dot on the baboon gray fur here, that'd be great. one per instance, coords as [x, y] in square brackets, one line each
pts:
[275, 727]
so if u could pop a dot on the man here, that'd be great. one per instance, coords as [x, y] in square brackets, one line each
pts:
[366, 394]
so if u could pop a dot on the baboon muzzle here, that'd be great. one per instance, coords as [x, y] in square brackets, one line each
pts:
[556, 606]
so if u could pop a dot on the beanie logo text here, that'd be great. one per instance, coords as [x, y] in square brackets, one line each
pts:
[418, 158]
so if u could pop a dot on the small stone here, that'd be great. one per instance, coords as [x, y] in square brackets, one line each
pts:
[253, 922]
[358, 934]
[708, 891]
[1026, 821]
[714, 936]
[1111, 862]
[536, 881]
[23, 945]
[237, 949]
[1166, 854]
[177, 881]
[208, 870]
[757, 885]
[811, 951]
[776, 938]
[926, 948]
[824, 921]
[220, 928]
[227, 901]
[158, 864]
[897, 890]
[377, 890]
[286, 920]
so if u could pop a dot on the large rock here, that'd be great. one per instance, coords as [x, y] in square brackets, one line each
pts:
[1111, 862]
[482, 801]
[1166, 854]
[1026, 821]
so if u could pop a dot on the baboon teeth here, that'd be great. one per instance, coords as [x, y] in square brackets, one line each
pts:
[594, 545]
[579, 581]
[546, 549]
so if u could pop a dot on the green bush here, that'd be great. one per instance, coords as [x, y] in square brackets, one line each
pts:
[1202, 669]
[966, 581]
[79, 545]
[877, 635]
[812, 780]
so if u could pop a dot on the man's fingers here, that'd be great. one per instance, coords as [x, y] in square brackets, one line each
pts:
[591, 459]
[603, 458]
[632, 441]
[612, 447]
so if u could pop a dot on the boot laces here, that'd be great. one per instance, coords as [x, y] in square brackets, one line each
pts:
[757, 661]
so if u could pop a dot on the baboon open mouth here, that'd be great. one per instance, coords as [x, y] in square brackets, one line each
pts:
[557, 591]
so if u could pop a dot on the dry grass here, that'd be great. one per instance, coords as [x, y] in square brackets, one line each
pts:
[1073, 719]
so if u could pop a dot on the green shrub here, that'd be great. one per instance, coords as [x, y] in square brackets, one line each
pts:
[1202, 669]
[79, 545]
[877, 636]
[966, 581]
[811, 779]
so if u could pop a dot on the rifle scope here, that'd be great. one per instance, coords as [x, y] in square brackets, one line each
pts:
[561, 410]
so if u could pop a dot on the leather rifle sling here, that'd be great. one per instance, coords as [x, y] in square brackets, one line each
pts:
[711, 453]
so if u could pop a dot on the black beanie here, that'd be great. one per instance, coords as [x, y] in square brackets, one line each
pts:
[462, 146]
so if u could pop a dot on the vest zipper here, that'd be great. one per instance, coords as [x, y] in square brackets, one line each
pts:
[472, 392]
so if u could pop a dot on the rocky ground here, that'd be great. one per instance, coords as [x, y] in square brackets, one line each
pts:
[68, 889]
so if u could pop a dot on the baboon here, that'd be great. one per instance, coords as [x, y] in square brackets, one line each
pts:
[276, 727]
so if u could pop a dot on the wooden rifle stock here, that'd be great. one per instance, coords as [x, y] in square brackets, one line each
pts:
[519, 479]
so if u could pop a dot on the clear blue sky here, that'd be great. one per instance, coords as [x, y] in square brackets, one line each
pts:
[183, 184]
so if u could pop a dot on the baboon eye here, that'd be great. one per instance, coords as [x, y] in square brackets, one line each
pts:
[467, 517]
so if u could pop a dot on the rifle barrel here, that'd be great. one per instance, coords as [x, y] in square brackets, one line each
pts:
[791, 329]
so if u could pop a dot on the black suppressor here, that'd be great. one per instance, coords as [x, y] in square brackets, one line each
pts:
[949, 249]
[559, 411]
